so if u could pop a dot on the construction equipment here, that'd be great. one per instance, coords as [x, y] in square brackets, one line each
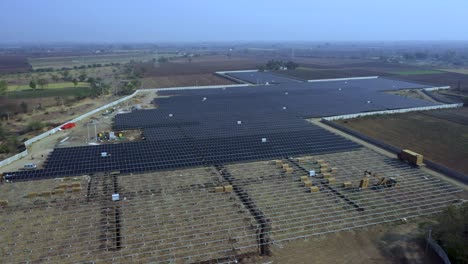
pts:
[381, 183]
[364, 183]
[384, 182]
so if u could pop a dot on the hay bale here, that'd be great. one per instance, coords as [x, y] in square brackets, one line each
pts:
[320, 161]
[314, 189]
[285, 166]
[228, 188]
[46, 193]
[324, 166]
[307, 183]
[31, 195]
[347, 184]
[3, 202]
[62, 186]
[330, 180]
[333, 169]
[304, 178]
[289, 170]
[59, 191]
[76, 189]
[326, 175]
[75, 184]
[219, 189]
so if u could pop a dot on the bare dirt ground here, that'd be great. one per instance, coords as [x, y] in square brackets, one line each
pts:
[438, 139]
[413, 93]
[389, 243]
[184, 80]
[201, 65]
[78, 136]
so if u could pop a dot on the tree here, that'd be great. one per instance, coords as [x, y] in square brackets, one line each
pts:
[3, 132]
[291, 65]
[451, 232]
[3, 87]
[24, 107]
[163, 60]
[34, 125]
[274, 65]
[42, 83]
[75, 82]
[91, 80]
[65, 75]
[32, 84]
[82, 77]
[55, 78]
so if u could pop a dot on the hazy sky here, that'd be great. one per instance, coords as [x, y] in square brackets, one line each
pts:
[235, 20]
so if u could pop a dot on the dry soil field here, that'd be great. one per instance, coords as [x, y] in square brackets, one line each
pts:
[441, 136]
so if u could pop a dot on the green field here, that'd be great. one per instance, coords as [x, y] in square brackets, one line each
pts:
[71, 61]
[416, 72]
[460, 70]
[59, 85]
[41, 93]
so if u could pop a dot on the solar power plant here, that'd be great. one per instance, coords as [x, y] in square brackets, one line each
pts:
[177, 216]
[258, 77]
[186, 146]
[223, 174]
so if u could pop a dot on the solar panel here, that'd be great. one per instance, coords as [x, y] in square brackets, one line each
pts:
[217, 126]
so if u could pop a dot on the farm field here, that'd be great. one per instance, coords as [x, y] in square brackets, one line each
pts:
[417, 72]
[66, 91]
[311, 73]
[441, 135]
[71, 61]
[183, 80]
[13, 64]
[203, 65]
[57, 85]
[461, 71]
[23, 79]
[455, 80]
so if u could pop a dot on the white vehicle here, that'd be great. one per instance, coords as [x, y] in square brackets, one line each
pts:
[30, 166]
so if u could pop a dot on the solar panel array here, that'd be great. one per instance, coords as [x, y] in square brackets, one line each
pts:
[217, 126]
[315, 99]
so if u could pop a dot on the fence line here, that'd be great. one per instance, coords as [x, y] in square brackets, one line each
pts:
[193, 87]
[429, 164]
[396, 111]
[224, 72]
[344, 79]
[437, 88]
[13, 158]
[29, 142]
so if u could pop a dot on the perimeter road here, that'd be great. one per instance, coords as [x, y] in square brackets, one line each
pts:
[316, 121]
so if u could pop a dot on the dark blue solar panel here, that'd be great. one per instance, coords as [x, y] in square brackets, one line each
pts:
[216, 126]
